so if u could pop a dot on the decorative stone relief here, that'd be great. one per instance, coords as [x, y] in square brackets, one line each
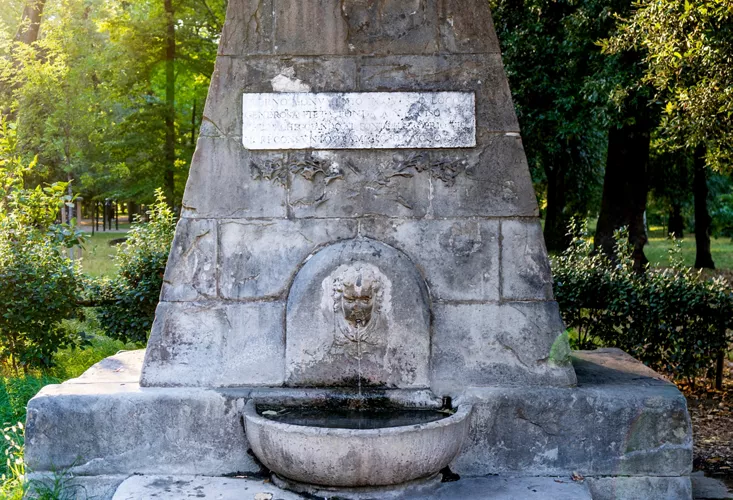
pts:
[357, 301]
[358, 315]
[441, 168]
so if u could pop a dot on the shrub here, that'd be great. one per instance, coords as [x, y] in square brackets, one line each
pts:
[673, 319]
[127, 302]
[38, 282]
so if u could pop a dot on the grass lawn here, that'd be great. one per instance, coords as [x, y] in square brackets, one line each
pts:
[658, 247]
[97, 257]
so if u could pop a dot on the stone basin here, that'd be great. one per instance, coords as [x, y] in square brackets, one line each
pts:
[351, 458]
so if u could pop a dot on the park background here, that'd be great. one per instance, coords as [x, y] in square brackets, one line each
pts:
[626, 112]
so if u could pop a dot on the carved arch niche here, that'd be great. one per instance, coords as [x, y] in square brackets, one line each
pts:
[358, 313]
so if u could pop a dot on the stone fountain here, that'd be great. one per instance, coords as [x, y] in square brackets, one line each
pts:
[358, 301]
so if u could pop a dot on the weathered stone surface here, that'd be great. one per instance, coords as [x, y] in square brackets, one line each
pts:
[511, 488]
[525, 268]
[621, 420]
[466, 26]
[333, 27]
[499, 184]
[358, 311]
[459, 258]
[489, 182]
[258, 259]
[313, 28]
[248, 28]
[124, 367]
[191, 271]
[358, 120]
[356, 457]
[234, 76]
[480, 488]
[110, 429]
[220, 488]
[222, 173]
[709, 488]
[360, 184]
[391, 26]
[74, 487]
[510, 344]
[640, 488]
[215, 345]
[618, 422]
[479, 73]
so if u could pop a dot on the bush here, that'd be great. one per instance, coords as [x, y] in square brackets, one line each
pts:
[38, 282]
[127, 302]
[672, 319]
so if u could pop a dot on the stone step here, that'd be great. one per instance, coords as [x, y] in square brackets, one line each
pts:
[224, 488]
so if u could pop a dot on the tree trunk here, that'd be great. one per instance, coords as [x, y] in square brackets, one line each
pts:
[556, 222]
[30, 23]
[703, 221]
[676, 226]
[170, 101]
[625, 186]
[27, 33]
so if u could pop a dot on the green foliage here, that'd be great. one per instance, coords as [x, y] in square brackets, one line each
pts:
[89, 95]
[688, 55]
[38, 282]
[672, 319]
[128, 301]
[12, 464]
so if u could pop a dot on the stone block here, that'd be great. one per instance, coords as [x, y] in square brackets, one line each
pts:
[215, 345]
[356, 184]
[525, 268]
[508, 344]
[316, 27]
[466, 27]
[496, 184]
[511, 488]
[234, 76]
[391, 26]
[482, 74]
[225, 183]
[640, 488]
[248, 28]
[459, 258]
[191, 271]
[121, 429]
[358, 314]
[621, 420]
[220, 488]
[74, 487]
[258, 259]
[624, 427]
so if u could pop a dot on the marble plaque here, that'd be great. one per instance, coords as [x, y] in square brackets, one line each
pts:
[365, 120]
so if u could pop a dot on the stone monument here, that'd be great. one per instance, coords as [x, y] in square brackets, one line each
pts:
[360, 229]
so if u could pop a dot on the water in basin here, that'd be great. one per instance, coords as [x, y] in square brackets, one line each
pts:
[352, 419]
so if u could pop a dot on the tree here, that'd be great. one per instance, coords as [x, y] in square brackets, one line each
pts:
[111, 93]
[686, 47]
[561, 86]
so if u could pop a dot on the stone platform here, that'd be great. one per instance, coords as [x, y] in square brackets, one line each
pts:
[623, 428]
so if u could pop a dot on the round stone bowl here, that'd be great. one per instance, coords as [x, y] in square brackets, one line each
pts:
[356, 457]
